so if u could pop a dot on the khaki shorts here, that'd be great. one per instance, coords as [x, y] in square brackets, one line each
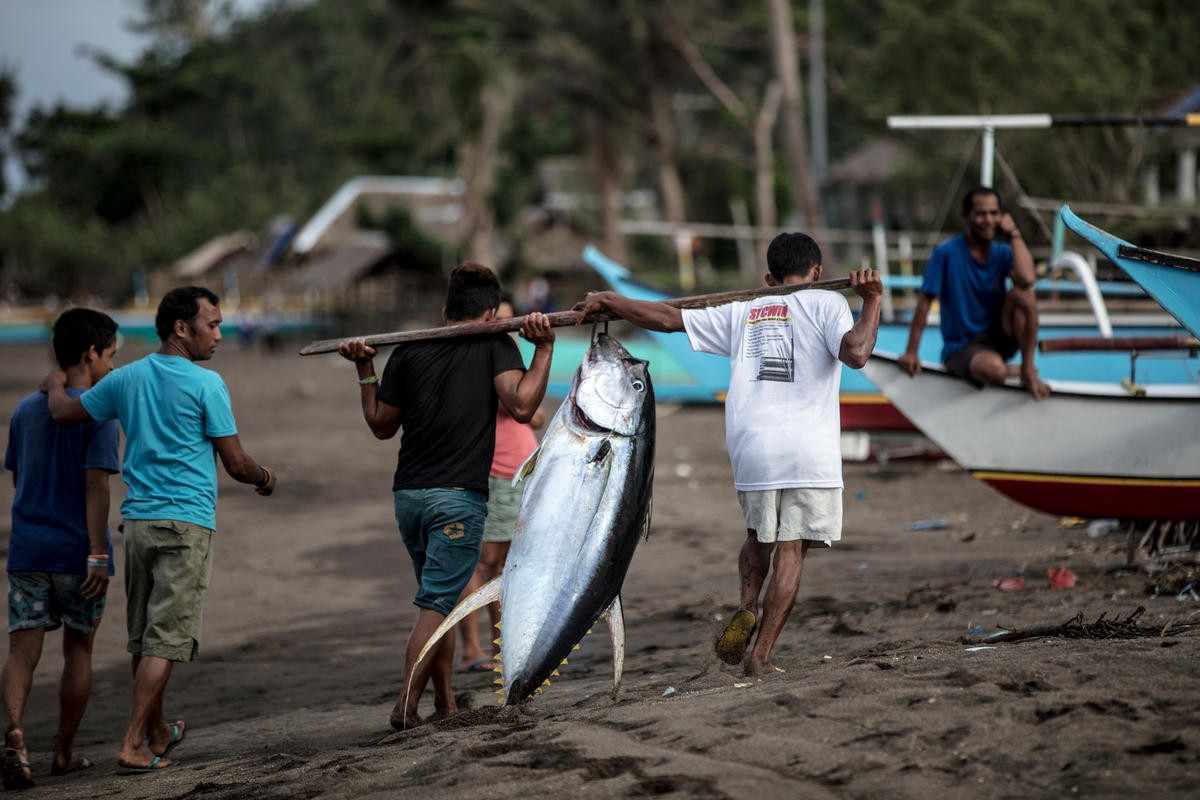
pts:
[788, 515]
[167, 565]
[504, 502]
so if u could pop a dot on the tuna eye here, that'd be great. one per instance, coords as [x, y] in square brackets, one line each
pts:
[638, 386]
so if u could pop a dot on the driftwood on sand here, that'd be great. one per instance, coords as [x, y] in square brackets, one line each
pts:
[1102, 628]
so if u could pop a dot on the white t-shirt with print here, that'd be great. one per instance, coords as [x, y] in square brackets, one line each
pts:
[782, 416]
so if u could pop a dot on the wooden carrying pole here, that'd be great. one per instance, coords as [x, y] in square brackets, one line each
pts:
[560, 319]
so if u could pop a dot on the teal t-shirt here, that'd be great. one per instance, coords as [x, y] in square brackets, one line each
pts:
[170, 409]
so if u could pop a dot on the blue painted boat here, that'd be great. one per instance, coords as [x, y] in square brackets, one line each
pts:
[1174, 281]
[863, 406]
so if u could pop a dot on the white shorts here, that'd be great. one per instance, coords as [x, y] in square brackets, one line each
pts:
[787, 515]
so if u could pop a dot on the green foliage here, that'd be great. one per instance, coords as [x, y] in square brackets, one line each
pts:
[231, 121]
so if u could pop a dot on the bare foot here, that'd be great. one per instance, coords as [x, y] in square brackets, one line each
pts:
[403, 719]
[65, 764]
[1034, 384]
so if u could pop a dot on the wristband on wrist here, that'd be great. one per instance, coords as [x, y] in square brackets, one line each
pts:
[367, 381]
[266, 477]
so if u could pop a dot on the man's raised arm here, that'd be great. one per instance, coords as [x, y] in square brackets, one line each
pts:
[522, 392]
[382, 418]
[859, 341]
[645, 314]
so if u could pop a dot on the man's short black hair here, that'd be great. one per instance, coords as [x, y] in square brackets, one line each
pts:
[473, 290]
[968, 201]
[792, 254]
[80, 329]
[180, 304]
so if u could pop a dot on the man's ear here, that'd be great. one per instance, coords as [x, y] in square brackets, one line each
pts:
[816, 272]
[90, 355]
[182, 329]
[770, 279]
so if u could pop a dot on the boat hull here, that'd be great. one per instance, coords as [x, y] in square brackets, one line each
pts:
[1089, 450]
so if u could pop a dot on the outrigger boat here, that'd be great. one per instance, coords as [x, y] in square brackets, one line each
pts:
[703, 378]
[1092, 449]
[1088, 450]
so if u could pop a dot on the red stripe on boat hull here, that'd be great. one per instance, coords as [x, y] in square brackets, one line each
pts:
[1102, 498]
[872, 415]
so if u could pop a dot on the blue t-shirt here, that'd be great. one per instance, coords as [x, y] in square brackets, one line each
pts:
[170, 410]
[49, 523]
[970, 294]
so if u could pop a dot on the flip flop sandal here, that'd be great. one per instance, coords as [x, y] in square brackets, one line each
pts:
[76, 765]
[478, 665]
[12, 770]
[178, 730]
[732, 643]
[155, 765]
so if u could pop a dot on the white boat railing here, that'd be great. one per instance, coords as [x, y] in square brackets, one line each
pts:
[1079, 265]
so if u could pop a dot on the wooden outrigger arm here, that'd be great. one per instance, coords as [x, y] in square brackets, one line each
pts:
[560, 319]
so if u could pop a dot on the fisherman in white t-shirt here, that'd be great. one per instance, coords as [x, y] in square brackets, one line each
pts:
[782, 421]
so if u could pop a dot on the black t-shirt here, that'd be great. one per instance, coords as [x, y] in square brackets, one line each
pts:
[447, 401]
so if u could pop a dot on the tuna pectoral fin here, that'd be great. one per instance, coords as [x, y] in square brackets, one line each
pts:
[616, 628]
[488, 593]
[527, 467]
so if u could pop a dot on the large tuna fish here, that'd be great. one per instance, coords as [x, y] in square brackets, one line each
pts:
[585, 505]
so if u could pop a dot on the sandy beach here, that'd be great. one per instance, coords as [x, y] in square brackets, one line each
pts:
[310, 603]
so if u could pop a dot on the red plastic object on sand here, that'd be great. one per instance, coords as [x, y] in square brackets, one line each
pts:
[1061, 578]
[1010, 584]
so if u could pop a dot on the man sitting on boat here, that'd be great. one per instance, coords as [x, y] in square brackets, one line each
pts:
[983, 325]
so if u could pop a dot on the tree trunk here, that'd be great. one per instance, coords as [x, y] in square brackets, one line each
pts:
[606, 165]
[496, 102]
[669, 183]
[787, 69]
[764, 169]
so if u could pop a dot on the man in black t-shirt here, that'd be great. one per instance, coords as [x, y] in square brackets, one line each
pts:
[444, 395]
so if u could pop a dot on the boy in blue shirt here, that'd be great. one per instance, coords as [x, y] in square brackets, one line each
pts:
[174, 414]
[59, 557]
[983, 323]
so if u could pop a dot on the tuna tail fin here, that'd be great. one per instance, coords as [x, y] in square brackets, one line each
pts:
[616, 628]
[488, 593]
[527, 467]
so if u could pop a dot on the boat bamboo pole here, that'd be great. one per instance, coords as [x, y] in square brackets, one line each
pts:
[1119, 343]
[560, 319]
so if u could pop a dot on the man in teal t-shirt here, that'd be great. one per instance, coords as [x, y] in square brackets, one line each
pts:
[174, 414]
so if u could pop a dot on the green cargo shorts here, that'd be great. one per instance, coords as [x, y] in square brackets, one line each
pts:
[167, 565]
[504, 504]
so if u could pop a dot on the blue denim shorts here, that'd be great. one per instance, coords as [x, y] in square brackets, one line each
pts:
[443, 530]
[49, 600]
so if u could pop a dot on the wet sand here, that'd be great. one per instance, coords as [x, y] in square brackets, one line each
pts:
[310, 603]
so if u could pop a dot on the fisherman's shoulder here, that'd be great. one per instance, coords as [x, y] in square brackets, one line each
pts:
[949, 247]
[818, 298]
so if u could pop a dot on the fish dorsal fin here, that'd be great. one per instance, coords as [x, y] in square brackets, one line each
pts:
[488, 593]
[527, 467]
